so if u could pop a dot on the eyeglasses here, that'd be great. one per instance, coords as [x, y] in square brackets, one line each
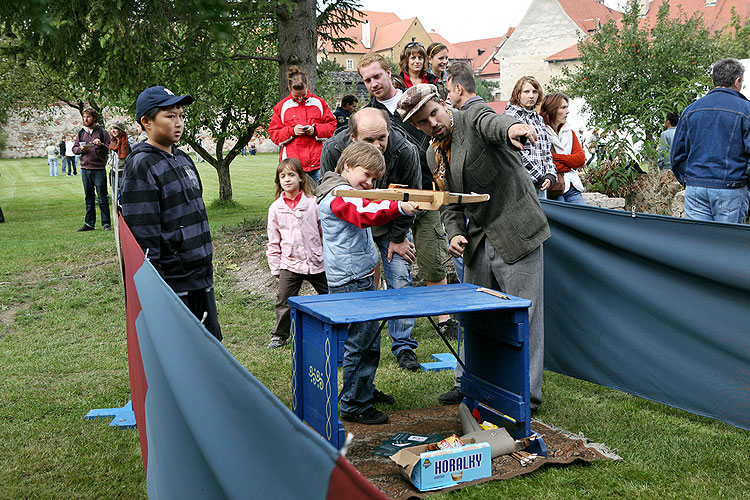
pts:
[413, 44]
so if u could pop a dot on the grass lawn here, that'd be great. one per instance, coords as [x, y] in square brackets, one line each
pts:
[63, 352]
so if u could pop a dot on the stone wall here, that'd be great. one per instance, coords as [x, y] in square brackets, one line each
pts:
[29, 131]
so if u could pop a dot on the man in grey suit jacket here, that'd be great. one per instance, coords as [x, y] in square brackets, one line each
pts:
[477, 150]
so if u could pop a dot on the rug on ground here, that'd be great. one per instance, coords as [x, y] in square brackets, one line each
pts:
[563, 448]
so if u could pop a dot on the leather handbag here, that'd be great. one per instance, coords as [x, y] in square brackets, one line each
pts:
[556, 188]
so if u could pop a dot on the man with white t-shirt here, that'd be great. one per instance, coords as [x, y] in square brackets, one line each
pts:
[431, 249]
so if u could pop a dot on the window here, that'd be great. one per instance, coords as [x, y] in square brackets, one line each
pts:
[350, 64]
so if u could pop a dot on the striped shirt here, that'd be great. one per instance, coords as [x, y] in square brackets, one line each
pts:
[163, 206]
[538, 158]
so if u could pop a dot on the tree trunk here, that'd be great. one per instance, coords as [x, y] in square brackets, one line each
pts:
[298, 43]
[225, 182]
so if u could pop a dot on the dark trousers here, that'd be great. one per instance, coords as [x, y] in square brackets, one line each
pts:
[95, 180]
[289, 286]
[200, 303]
[71, 164]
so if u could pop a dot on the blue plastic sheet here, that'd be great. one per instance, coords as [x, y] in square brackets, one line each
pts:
[651, 305]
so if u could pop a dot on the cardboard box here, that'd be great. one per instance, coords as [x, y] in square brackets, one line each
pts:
[432, 470]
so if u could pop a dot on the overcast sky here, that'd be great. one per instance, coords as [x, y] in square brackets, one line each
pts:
[483, 18]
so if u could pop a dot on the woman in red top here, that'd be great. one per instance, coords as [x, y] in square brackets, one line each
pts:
[566, 150]
[412, 64]
[119, 145]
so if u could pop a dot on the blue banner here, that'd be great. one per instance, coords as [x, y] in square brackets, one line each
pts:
[651, 305]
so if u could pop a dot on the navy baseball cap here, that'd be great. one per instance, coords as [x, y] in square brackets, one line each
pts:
[158, 97]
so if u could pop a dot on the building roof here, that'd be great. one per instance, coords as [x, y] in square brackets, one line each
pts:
[498, 106]
[377, 20]
[715, 16]
[588, 14]
[479, 52]
[388, 35]
[568, 54]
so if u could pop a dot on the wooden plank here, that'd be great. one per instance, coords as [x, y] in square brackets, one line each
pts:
[424, 199]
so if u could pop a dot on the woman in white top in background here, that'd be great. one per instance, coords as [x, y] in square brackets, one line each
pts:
[566, 149]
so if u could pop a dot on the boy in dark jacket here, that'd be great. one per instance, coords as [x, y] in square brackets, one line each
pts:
[163, 206]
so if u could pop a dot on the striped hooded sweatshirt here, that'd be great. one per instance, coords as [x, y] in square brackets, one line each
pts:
[163, 206]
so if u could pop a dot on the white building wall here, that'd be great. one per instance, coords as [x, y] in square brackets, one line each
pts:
[544, 30]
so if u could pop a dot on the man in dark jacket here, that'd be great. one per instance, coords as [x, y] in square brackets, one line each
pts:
[711, 149]
[343, 112]
[92, 143]
[477, 151]
[393, 239]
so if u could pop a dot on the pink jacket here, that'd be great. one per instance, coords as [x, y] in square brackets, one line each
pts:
[295, 240]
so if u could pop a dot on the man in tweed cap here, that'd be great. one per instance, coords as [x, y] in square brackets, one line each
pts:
[477, 150]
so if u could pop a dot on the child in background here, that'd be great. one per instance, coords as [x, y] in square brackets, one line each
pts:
[295, 247]
[350, 257]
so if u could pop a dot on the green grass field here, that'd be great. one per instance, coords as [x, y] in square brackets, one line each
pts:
[63, 353]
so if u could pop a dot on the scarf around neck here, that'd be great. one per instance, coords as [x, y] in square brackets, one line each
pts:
[442, 155]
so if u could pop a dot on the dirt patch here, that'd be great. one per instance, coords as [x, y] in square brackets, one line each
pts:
[8, 315]
[562, 448]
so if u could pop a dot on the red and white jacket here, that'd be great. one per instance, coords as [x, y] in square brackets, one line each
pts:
[308, 110]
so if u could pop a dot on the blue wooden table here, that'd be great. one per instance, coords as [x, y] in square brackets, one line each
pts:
[496, 333]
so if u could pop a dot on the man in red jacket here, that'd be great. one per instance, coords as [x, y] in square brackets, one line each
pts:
[300, 123]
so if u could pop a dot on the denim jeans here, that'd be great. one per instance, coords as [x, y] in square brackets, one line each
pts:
[397, 274]
[314, 175]
[541, 195]
[95, 179]
[721, 205]
[572, 195]
[358, 395]
[52, 166]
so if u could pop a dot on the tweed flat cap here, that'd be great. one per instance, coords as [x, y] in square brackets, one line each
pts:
[414, 98]
[119, 125]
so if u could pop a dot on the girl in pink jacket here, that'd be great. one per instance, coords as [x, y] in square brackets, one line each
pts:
[295, 242]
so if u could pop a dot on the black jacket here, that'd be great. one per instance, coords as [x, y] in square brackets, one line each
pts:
[401, 167]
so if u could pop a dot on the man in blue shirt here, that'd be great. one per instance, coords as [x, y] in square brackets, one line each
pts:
[666, 139]
[711, 149]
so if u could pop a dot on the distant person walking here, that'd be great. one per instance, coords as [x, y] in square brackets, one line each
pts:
[665, 142]
[711, 149]
[61, 150]
[71, 157]
[52, 152]
[92, 144]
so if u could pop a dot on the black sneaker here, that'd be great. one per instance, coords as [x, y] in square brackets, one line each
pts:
[85, 227]
[370, 416]
[106, 227]
[381, 397]
[449, 329]
[452, 397]
[408, 361]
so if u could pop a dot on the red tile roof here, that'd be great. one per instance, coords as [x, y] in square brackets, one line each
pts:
[470, 50]
[588, 13]
[568, 54]
[377, 21]
[715, 17]
[386, 36]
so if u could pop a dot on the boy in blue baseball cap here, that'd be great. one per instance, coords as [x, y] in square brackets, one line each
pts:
[163, 206]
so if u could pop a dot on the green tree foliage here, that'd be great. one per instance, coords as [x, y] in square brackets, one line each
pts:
[486, 89]
[630, 76]
[735, 38]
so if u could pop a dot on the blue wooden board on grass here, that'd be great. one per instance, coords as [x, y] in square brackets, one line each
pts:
[443, 361]
[121, 417]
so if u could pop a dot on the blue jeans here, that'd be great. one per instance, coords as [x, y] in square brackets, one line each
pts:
[397, 274]
[314, 174]
[572, 195]
[52, 166]
[541, 195]
[95, 180]
[358, 395]
[721, 205]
